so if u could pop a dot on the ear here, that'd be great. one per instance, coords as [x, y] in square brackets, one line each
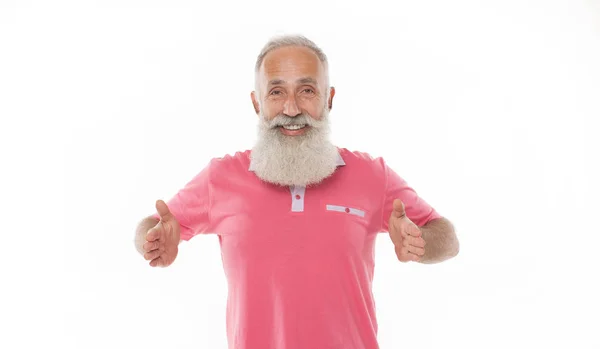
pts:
[331, 94]
[255, 103]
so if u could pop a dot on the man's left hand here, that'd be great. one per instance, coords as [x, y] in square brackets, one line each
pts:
[406, 235]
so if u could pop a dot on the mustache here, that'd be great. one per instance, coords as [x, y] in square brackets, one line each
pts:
[284, 120]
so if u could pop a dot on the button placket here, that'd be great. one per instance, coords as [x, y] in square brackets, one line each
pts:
[297, 198]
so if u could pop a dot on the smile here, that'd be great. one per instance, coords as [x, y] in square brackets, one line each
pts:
[294, 127]
[293, 130]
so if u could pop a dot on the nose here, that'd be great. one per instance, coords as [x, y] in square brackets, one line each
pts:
[290, 108]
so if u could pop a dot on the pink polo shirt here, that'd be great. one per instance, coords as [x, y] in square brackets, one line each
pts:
[299, 261]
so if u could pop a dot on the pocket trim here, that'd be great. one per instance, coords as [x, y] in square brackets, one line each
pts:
[346, 209]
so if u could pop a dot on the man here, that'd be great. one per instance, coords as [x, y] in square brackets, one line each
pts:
[297, 217]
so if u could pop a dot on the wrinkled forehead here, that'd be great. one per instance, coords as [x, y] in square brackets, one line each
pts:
[290, 64]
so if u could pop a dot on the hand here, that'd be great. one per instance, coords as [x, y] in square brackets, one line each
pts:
[406, 236]
[163, 239]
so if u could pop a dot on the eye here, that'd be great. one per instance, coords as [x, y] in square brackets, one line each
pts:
[308, 90]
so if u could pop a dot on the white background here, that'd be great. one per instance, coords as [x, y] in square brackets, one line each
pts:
[488, 109]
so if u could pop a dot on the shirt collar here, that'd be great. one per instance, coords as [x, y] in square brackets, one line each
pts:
[339, 162]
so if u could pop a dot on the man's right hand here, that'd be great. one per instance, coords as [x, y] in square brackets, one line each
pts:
[162, 241]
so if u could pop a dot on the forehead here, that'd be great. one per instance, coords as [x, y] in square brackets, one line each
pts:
[290, 63]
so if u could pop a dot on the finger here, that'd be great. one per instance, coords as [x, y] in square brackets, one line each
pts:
[154, 233]
[404, 233]
[410, 231]
[413, 230]
[163, 211]
[155, 262]
[414, 241]
[413, 257]
[398, 209]
[402, 254]
[151, 246]
[152, 255]
[419, 251]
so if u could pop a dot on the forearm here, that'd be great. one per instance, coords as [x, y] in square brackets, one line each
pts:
[140, 233]
[441, 242]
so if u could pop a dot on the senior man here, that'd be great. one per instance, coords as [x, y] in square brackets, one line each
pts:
[297, 217]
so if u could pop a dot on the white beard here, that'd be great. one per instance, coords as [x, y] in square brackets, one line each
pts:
[294, 160]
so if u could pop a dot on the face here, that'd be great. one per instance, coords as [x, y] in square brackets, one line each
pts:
[291, 82]
[293, 146]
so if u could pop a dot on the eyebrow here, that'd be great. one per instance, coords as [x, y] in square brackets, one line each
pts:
[306, 80]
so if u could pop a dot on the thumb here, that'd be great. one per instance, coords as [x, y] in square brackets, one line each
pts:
[398, 211]
[163, 211]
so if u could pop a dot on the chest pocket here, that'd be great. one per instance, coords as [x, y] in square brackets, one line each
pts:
[350, 225]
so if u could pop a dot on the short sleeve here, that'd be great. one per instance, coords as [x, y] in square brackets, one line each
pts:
[191, 205]
[417, 209]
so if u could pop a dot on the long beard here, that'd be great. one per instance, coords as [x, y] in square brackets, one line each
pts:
[294, 160]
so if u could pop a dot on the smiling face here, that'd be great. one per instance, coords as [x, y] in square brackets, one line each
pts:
[292, 81]
[293, 146]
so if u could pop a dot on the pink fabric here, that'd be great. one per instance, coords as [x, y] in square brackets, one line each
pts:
[297, 280]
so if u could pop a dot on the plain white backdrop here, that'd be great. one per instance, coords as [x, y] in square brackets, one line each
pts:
[488, 109]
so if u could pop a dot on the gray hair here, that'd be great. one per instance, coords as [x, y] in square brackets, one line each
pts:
[291, 40]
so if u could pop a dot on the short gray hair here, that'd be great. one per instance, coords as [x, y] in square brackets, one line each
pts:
[291, 40]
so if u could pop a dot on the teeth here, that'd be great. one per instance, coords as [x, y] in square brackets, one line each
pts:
[294, 127]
